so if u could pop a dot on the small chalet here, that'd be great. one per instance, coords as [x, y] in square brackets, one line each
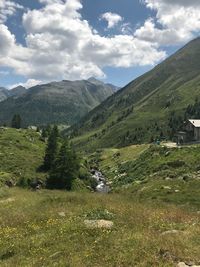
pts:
[190, 132]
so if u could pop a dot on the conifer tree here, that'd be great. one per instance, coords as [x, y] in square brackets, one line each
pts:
[16, 121]
[51, 149]
[65, 169]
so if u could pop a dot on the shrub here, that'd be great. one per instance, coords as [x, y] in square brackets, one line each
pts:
[99, 214]
[176, 163]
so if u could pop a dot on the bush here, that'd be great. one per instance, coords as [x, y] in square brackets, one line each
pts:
[23, 182]
[99, 214]
[176, 163]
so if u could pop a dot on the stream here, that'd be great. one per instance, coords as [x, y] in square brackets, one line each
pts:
[102, 186]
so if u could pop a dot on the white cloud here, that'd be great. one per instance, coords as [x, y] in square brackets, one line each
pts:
[8, 8]
[28, 84]
[7, 40]
[111, 18]
[60, 44]
[176, 22]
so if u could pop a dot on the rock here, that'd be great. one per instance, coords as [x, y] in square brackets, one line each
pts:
[167, 153]
[183, 264]
[102, 188]
[10, 183]
[166, 187]
[37, 184]
[190, 263]
[99, 224]
[170, 232]
[92, 171]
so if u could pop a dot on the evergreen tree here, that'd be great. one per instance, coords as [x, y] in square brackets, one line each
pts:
[16, 121]
[65, 169]
[51, 149]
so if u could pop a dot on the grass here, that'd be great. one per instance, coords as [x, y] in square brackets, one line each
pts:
[21, 153]
[34, 234]
[142, 109]
[153, 172]
[155, 189]
[109, 160]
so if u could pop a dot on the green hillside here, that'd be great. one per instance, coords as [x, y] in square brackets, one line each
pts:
[154, 208]
[55, 103]
[142, 110]
[153, 172]
[21, 154]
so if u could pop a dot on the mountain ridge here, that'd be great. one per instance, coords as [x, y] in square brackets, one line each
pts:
[142, 109]
[62, 102]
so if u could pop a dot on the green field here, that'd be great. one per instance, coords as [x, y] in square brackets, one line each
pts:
[46, 228]
[154, 206]
[21, 154]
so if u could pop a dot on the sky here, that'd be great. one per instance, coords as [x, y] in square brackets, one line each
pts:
[112, 40]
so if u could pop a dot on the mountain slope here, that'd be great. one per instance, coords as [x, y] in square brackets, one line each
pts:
[22, 153]
[17, 91]
[57, 102]
[143, 108]
[4, 93]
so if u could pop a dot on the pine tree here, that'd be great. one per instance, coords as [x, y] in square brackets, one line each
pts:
[16, 121]
[65, 169]
[51, 149]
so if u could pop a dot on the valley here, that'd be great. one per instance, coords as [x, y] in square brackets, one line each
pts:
[150, 107]
[153, 206]
[90, 174]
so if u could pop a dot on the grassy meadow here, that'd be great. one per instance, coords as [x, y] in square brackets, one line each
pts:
[46, 228]
[21, 154]
[154, 206]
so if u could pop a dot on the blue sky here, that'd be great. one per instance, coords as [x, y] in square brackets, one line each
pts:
[113, 40]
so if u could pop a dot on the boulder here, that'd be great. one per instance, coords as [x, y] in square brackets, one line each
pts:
[183, 264]
[36, 185]
[10, 183]
[166, 187]
[99, 224]
[169, 232]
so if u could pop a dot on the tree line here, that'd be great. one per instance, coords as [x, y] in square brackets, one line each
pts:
[60, 161]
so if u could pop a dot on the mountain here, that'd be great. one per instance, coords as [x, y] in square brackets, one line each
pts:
[108, 85]
[147, 107]
[62, 102]
[114, 87]
[4, 94]
[17, 91]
